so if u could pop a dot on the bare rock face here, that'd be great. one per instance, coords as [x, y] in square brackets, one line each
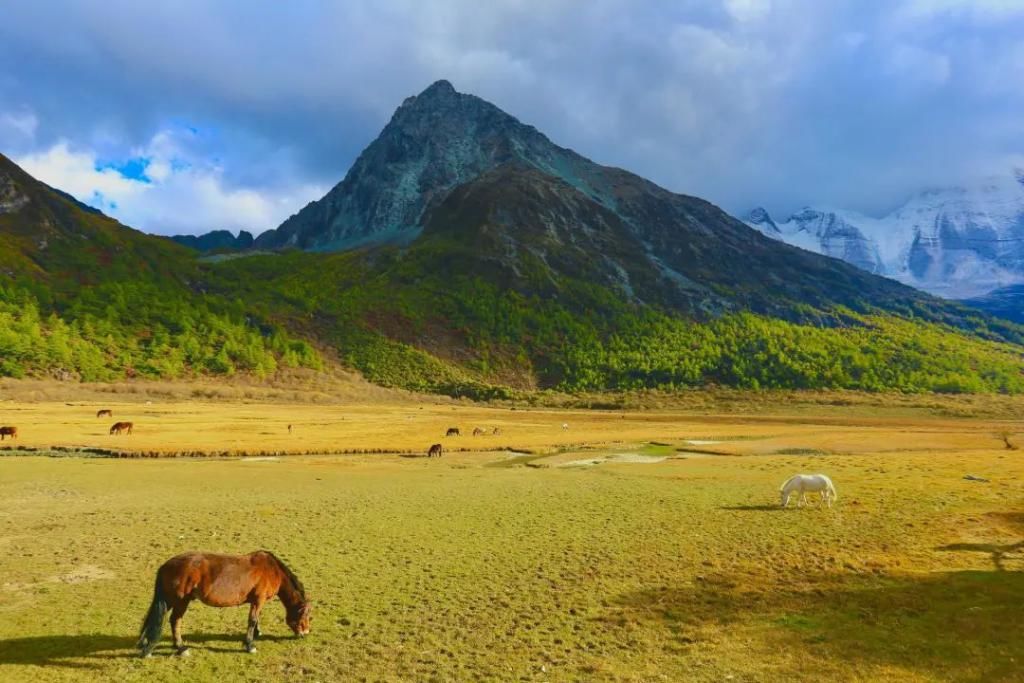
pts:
[12, 199]
[434, 142]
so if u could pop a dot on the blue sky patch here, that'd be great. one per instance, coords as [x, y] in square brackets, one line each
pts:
[134, 168]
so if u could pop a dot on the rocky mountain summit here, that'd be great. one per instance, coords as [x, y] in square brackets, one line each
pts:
[435, 141]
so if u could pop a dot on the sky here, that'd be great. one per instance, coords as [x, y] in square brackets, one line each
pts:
[193, 115]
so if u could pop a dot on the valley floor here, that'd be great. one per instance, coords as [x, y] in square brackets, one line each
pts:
[638, 546]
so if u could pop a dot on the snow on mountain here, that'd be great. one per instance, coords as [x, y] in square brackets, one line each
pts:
[957, 242]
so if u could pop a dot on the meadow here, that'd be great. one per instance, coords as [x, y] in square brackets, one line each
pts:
[636, 545]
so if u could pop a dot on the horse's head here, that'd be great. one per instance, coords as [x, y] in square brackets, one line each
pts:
[785, 498]
[298, 618]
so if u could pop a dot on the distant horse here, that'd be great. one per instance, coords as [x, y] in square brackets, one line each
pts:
[223, 581]
[565, 425]
[8, 431]
[802, 483]
[478, 432]
[435, 450]
[453, 431]
[495, 431]
[122, 427]
[106, 412]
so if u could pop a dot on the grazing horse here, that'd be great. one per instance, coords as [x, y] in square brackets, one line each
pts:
[453, 431]
[122, 427]
[223, 581]
[565, 425]
[495, 431]
[8, 431]
[478, 432]
[435, 450]
[106, 412]
[802, 483]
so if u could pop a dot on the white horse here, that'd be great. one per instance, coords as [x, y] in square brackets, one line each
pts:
[802, 483]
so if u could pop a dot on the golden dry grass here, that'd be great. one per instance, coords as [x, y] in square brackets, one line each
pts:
[490, 565]
[387, 423]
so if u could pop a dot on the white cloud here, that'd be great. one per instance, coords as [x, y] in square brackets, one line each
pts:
[748, 10]
[17, 128]
[177, 195]
[75, 172]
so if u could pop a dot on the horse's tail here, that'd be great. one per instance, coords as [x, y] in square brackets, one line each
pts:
[152, 625]
[832, 490]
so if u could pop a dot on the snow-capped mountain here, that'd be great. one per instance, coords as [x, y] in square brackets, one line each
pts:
[956, 242]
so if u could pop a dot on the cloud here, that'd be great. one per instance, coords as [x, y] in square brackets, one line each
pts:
[854, 103]
[161, 188]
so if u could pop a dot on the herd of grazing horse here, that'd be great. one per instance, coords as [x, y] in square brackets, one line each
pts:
[437, 449]
[221, 580]
[115, 429]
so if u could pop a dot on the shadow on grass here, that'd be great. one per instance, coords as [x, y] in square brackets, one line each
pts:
[997, 552]
[61, 650]
[70, 650]
[753, 508]
[959, 625]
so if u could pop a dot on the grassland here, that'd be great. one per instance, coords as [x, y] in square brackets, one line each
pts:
[667, 560]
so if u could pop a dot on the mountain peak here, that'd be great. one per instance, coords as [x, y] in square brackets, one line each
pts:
[759, 216]
[440, 87]
[434, 142]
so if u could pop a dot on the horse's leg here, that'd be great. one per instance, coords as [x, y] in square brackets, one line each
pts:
[254, 621]
[177, 614]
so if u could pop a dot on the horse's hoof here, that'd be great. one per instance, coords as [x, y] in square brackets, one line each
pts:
[184, 652]
[251, 650]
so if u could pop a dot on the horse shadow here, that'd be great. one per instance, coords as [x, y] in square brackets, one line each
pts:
[62, 650]
[69, 650]
[753, 508]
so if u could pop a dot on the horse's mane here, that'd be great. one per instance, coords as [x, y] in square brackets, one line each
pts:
[785, 483]
[296, 584]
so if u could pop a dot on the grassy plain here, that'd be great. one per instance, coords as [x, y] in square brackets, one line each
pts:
[666, 560]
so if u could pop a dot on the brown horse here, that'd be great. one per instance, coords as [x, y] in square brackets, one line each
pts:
[8, 431]
[106, 412]
[122, 427]
[436, 449]
[223, 581]
[452, 431]
[478, 432]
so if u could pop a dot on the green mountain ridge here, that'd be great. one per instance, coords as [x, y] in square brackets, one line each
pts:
[506, 265]
[83, 296]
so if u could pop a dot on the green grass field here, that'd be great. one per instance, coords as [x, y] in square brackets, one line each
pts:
[494, 566]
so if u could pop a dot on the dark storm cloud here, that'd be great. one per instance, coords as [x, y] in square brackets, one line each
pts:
[745, 102]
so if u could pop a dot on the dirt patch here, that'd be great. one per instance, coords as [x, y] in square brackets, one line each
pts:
[84, 574]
